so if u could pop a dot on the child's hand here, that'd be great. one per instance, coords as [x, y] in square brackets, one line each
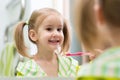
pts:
[96, 53]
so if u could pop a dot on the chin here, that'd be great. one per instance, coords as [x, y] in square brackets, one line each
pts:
[55, 48]
[52, 48]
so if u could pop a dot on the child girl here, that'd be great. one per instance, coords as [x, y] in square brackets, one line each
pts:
[107, 18]
[49, 31]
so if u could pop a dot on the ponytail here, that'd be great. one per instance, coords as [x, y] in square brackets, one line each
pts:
[19, 39]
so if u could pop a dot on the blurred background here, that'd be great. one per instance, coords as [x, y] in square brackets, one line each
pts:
[13, 11]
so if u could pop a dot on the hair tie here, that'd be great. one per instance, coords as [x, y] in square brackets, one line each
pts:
[27, 22]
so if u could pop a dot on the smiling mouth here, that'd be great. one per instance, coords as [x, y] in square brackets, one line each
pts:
[55, 42]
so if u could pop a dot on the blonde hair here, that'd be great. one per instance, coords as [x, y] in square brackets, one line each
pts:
[35, 20]
[85, 23]
[111, 11]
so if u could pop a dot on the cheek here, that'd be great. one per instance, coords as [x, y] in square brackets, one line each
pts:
[43, 35]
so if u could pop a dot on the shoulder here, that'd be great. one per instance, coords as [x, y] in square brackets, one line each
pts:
[109, 53]
[104, 65]
[27, 68]
[67, 66]
[84, 69]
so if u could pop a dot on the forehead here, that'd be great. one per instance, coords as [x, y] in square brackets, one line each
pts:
[53, 18]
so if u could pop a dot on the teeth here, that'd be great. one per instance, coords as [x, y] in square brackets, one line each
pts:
[54, 40]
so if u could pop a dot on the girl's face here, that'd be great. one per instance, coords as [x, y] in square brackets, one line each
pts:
[50, 33]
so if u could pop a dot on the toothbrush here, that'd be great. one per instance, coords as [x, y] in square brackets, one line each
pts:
[76, 54]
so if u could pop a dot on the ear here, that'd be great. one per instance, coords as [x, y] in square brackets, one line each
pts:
[33, 35]
[99, 13]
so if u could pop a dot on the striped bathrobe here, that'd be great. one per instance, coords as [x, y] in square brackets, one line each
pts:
[67, 68]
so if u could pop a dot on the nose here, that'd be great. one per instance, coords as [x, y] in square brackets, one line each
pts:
[55, 33]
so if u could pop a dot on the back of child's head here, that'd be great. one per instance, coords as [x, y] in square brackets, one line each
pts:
[36, 19]
[88, 33]
[111, 11]
[109, 17]
[86, 25]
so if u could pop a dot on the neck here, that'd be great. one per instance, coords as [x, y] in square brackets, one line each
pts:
[116, 41]
[115, 36]
[45, 55]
